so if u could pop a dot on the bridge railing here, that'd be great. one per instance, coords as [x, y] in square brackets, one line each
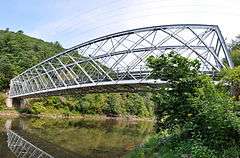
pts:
[120, 58]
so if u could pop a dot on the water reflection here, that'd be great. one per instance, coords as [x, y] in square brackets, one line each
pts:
[22, 148]
[82, 138]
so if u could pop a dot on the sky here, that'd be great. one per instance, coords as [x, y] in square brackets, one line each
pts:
[72, 22]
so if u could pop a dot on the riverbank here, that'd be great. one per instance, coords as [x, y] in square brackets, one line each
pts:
[13, 113]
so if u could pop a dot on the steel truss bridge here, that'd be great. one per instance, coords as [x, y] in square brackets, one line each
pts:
[117, 62]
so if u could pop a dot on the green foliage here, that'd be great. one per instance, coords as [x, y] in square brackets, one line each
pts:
[231, 77]
[235, 53]
[19, 52]
[116, 104]
[200, 118]
[215, 122]
[6, 72]
[35, 109]
[176, 147]
[173, 67]
[172, 102]
[139, 104]
[91, 103]
[231, 152]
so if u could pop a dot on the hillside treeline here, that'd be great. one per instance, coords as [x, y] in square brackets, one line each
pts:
[19, 52]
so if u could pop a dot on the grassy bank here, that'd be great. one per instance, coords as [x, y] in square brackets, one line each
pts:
[175, 146]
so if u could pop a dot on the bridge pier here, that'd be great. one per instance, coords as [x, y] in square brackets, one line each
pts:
[18, 103]
[15, 102]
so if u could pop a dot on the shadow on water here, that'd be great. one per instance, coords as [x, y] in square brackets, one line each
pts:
[78, 138]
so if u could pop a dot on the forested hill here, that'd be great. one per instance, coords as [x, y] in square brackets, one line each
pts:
[19, 52]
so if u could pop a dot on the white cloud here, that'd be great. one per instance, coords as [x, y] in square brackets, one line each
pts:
[77, 26]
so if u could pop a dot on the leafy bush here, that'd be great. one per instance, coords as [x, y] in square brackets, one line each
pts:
[231, 77]
[232, 152]
[200, 118]
[37, 108]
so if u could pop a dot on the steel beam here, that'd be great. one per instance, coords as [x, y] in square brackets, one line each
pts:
[121, 58]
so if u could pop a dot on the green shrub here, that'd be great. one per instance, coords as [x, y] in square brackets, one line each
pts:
[37, 108]
[232, 152]
[173, 146]
[201, 118]
[66, 112]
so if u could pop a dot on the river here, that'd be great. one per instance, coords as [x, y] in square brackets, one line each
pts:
[83, 138]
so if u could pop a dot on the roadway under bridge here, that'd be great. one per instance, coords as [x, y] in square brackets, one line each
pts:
[117, 62]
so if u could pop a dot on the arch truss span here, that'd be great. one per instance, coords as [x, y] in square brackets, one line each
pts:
[117, 62]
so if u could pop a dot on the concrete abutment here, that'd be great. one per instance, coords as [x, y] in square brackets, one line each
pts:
[15, 102]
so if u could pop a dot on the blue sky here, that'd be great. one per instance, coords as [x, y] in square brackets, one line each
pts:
[74, 21]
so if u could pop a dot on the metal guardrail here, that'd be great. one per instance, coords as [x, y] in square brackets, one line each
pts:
[23, 148]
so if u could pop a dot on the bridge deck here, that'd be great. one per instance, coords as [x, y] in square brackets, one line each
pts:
[102, 87]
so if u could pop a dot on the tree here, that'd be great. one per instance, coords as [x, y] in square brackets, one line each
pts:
[235, 54]
[7, 29]
[19, 52]
[235, 51]
[172, 106]
[231, 77]
[20, 31]
[6, 73]
[114, 106]
[191, 106]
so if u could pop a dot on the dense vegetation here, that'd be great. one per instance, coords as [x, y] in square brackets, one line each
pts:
[232, 76]
[116, 104]
[195, 118]
[19, 52]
